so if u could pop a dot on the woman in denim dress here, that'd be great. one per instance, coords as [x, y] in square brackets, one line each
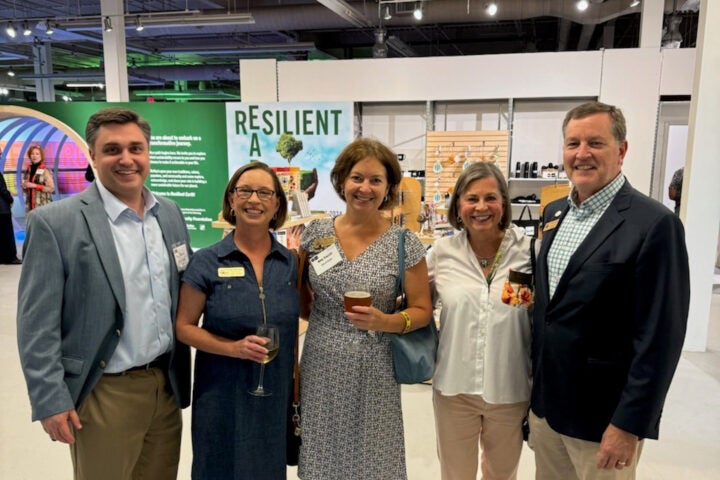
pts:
[245, 280]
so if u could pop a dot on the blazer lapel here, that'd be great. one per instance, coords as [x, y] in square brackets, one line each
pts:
[97, 222]
[606, 225]
[168, 228]
[543, 283]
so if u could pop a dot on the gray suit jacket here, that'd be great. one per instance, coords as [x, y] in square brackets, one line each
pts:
[71, 301]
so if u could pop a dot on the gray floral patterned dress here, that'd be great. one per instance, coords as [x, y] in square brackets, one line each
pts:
[352, 426]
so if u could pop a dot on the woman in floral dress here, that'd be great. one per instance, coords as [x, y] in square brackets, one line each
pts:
[352, 426]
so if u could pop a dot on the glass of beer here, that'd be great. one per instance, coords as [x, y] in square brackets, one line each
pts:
[357, 293]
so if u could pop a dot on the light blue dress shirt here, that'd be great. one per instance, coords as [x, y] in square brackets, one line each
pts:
[145, 264]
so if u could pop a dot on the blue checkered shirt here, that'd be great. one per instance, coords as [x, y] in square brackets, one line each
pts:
[578, 222]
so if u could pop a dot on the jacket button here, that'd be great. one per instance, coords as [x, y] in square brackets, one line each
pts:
[102, 364]
[117, 332]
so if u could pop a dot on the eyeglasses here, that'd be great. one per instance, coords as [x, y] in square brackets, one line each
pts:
[244, 193]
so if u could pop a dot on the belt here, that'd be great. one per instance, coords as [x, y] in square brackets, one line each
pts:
[160, 362]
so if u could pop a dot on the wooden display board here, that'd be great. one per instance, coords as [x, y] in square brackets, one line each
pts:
[447, 152]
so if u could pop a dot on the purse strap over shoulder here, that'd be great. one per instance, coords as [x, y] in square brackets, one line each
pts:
[400, 285]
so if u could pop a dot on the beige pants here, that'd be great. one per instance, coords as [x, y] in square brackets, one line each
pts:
[131, 429]
[558, 456]
[464, 421]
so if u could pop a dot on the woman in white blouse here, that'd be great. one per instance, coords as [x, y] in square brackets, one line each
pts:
[481, 281]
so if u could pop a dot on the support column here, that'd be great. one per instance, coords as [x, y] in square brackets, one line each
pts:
[42, 59]
[114, 53]
[700, 208]
[651, 23]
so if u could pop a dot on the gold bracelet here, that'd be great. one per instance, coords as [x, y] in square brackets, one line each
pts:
[408, 322]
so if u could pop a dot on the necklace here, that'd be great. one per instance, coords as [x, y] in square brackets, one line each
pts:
[484, 261]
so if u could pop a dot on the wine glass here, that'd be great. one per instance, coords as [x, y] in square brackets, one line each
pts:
[273, 346]
[357, 293]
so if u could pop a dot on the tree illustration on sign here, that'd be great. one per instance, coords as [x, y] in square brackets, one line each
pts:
[288, 147]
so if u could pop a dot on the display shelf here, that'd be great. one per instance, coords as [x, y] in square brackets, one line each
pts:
[447, 152]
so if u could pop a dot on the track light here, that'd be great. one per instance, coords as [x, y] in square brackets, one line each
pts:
[491, 8]
[11, 72]
[387, 15]
[49, 27]
[138, 24]
[582, 5]
[418, 12]
[26, 29]
[634, 3]
[10, 30]
[108, 24]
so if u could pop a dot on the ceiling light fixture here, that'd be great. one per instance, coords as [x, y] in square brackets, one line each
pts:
[138, 24]
[108, 24]
[634, 3]
[85, 85]
[491, 8]
[26, 29]
[49, 27]
[672, 37]
[387, 15]
[10, 30]
[11, 72]
[380, 49]
[418, 12]
[582, 5]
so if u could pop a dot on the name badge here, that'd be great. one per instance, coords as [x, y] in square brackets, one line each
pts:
[182, 256]
[326, 259]
[550, 225]
[40, 171]
[225, 272]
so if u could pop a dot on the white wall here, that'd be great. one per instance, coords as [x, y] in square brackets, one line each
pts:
[633, 79]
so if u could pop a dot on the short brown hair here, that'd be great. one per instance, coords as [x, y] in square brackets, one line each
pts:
[359, 150]
[113, 115]
[478, 171]
[281, 213]
[617, 119]
[36, 147]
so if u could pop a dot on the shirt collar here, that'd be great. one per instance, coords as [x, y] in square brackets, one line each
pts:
[600, 199]
[227, 246]
[114, 207]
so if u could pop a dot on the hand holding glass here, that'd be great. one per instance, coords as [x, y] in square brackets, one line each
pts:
[357, 293]
[273, 346]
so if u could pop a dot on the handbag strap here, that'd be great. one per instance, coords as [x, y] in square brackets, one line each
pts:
[300, 258]
[522, 213]
[400, 285]
[533, 261]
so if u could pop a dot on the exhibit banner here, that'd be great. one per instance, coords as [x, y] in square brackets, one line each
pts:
[299, 140]
[187, 153]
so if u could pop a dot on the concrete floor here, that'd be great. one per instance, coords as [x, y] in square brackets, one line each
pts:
[689, 446]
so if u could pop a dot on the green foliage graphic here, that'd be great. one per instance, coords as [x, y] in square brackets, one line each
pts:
[288, 147]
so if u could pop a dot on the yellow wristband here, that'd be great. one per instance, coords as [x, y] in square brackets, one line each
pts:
[408, 322]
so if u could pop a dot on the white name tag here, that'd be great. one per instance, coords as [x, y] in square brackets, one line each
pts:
[40, 171]
[182, 257]
[326, 259]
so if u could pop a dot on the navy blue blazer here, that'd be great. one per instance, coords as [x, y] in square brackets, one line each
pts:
[606, 345]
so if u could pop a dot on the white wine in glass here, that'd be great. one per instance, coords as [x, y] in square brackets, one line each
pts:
[273, 346]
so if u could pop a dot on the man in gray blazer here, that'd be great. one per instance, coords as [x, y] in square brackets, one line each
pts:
[611, 306]
[96, 309]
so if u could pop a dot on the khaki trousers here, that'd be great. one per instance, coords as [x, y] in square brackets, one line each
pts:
[464, 421]
[131, 429]
[558, 456]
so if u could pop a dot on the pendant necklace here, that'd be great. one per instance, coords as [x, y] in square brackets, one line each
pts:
[484, 261]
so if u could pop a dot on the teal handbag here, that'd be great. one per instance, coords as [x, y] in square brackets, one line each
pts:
[413, 353]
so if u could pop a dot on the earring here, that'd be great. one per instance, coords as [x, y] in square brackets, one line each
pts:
[459, 220]
[232, 213]
[275, 216]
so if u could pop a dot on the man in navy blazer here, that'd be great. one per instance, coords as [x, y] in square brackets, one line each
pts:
[96, 308]
[611, 306]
